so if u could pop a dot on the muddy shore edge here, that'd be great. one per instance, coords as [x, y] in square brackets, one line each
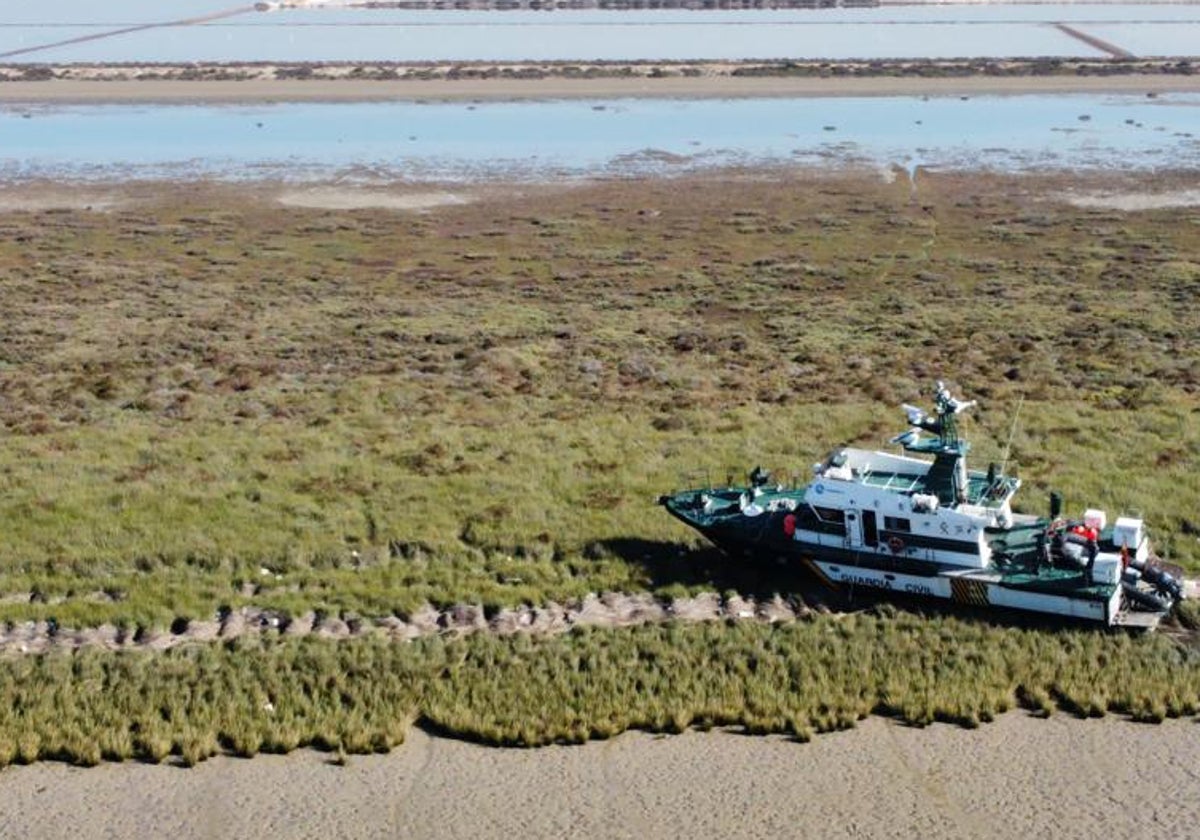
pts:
[588, 80]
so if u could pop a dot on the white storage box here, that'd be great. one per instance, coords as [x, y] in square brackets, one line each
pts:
[1106, 568]
[1131, 533]
[1095, 519]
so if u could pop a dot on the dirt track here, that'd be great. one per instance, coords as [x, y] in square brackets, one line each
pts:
[611, 609]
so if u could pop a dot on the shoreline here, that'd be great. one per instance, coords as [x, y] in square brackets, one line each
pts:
[1005, 779]
[220, 91]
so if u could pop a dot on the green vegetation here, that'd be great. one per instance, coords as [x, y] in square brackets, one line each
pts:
[361, 695]
[210, 400]
[391, 70]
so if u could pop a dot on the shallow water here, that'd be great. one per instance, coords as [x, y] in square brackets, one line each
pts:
[459, 141]
[549, 40]
[934, 31]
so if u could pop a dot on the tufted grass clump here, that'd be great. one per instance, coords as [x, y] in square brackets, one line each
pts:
[800, 679]
[362, 695]
[237, 698]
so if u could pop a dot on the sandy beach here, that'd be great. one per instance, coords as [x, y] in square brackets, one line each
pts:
[83, 90]
[1017, 777]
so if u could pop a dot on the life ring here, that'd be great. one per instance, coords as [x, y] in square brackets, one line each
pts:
[896, 545]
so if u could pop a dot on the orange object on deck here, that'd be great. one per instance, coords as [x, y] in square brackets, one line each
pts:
[1090, 534]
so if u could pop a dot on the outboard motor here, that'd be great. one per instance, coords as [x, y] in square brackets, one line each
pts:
[1163, 582]
[1168, 588]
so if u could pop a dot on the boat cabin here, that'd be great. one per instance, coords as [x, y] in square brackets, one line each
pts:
[936, 510]
[876, 501]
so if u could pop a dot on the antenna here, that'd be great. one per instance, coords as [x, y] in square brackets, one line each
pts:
[1012, 433]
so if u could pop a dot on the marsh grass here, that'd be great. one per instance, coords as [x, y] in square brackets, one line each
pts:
[363, 695]
[529, 524]
[216, 401]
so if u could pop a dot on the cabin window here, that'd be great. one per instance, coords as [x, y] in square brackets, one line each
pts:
[823, 520]
[896, 523]
[830, 514]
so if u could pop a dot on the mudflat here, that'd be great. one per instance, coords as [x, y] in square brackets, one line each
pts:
[1017, 777]
[101, 88]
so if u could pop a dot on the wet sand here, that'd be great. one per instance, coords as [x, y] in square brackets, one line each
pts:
[723, 87]
[1018, 777]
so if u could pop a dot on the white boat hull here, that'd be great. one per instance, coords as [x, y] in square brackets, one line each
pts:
[969, 587]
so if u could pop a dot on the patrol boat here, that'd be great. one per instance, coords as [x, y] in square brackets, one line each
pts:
[895, 523]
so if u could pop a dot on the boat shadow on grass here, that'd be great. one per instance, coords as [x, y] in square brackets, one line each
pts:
[669, 565]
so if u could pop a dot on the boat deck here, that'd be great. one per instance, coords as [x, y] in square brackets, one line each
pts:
[1020, 542]
[932, 483]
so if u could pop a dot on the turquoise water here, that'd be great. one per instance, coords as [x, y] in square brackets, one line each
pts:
[934, 31]
[366, 141]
